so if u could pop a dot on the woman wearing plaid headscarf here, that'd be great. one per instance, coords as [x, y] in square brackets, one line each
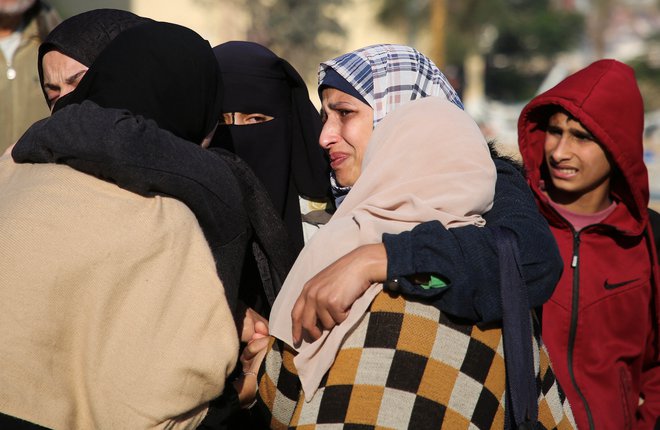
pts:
[349, 352]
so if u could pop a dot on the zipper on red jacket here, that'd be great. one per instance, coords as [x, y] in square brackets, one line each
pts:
[574, 320]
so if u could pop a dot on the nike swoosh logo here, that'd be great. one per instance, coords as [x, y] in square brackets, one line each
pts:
[609, 286]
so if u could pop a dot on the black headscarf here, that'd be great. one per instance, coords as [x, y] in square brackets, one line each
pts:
[284, 152]
[83, 36]
[158, 70]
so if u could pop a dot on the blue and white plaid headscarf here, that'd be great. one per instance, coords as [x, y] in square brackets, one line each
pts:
[387, 76]
[390, 75]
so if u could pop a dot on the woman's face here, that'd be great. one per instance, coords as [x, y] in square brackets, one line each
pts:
[347, 128]
[62, 74]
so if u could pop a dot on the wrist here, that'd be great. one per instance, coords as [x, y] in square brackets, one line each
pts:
[373, 259]
[246, 386]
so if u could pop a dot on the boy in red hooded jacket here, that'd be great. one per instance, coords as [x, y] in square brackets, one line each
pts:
[581, 143]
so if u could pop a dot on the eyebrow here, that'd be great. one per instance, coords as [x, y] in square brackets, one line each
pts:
[581, 132]
[338, 105]
[73, 78]
[69, 81]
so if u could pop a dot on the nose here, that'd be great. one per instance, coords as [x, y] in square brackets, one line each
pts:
[562, 150]
[329, 134]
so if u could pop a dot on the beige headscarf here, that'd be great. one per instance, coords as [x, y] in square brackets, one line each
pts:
[425, 161]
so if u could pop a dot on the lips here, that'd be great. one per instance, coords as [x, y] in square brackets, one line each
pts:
[563, 172]
[336, 159]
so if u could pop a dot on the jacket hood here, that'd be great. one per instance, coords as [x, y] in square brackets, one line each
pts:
[606, 100]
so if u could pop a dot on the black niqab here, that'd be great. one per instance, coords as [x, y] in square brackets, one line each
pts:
[284, 152]
[158, 70]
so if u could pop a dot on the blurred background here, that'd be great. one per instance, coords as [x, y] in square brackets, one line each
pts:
[497, 53]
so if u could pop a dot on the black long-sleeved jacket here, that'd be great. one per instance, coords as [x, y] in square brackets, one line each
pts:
[466, 257]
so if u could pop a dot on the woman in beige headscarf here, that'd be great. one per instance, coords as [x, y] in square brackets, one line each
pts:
[388, 361]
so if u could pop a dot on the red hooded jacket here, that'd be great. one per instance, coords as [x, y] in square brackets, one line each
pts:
[600, 325]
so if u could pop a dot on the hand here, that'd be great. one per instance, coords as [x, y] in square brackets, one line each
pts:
[251, 357]
[252, 320]
[327, 298]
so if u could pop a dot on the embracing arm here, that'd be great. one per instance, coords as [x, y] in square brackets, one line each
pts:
[466, 257]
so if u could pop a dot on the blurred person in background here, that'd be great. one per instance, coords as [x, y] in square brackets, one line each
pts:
[581, 143]
[24, 24]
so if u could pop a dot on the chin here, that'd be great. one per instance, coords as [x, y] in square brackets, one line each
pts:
[340, 179]
[345, 183]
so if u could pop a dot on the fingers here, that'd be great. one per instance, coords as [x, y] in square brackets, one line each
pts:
[337, 315]
[325, 319]
[296, 320]
[318, 308]
[311, 330]
[260, 330]
[252, 351]
[304, 320]
[251, 320]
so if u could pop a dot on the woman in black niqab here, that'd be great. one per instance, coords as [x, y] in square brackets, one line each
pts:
[283, 152]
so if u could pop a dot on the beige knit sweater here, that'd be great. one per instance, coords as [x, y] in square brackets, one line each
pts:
[111, 312]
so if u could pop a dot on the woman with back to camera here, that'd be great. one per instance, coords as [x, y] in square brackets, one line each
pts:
[126, 322]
